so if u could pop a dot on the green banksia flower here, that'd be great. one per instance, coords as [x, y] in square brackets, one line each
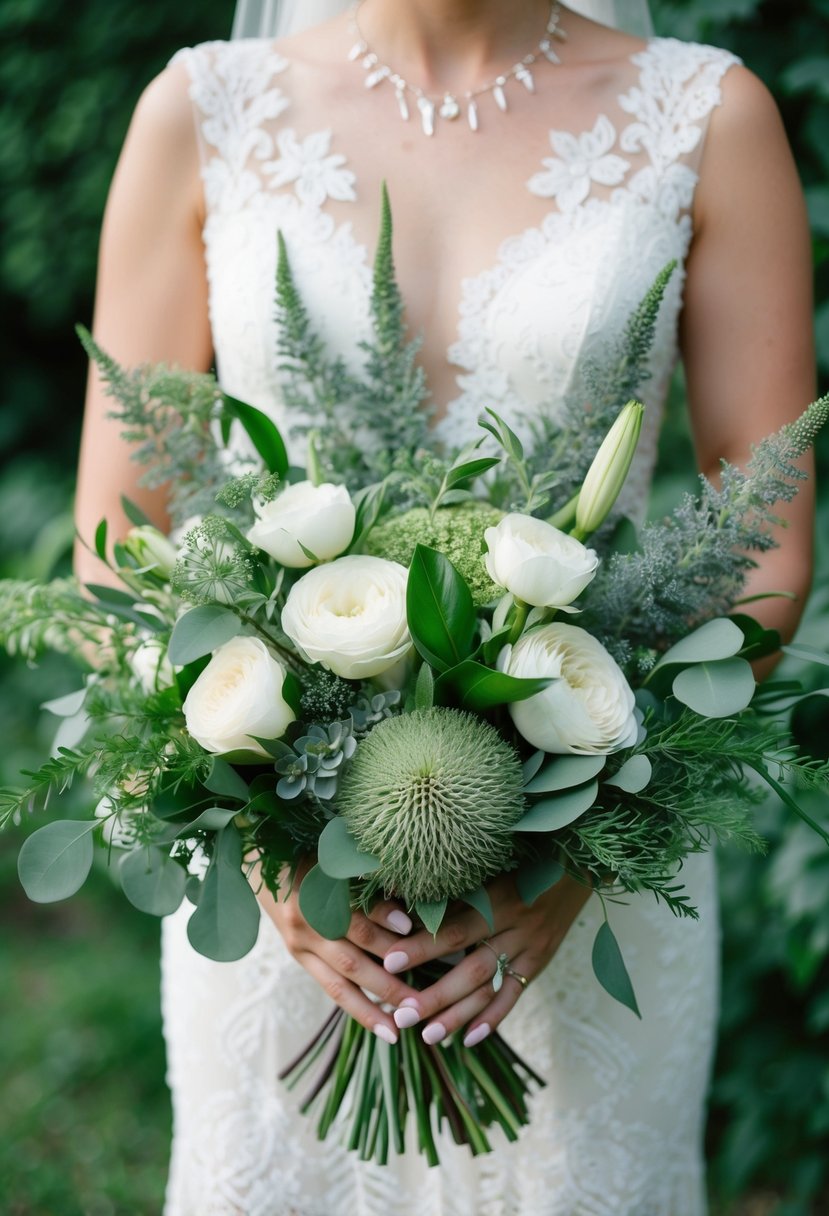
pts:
[456, 532]
[435, 796]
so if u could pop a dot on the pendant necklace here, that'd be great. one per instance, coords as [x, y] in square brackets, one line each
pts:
[450, 105]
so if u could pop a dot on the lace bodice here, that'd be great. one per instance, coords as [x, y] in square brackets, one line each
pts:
[550, 251]
[577, 236]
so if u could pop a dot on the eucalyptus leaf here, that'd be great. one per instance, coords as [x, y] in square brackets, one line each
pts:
[431, 913]
[532, 764]
[716, 690]
[550, 814]
[325, 903]
[564, 772]
[810, 654]
[54, 861]
[213, 819]
[201, 631]
[535, 877]
[338, 854]
[152, 881]
[226, 782]
[610, 970]
[717, 639]
[225, 924]
[440, 610]
[633, 776]
[480, 901]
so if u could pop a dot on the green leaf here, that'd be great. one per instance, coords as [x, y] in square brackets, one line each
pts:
[479, 688]
[112, 596]
[213, 819]
[507, 438]
[225, 925]
[480, 901]
[786, 798]
[325, 904]
[439, 608]
[553, 813]
[431, 913]
[152, 881]
[470, 469]
[532, 764]
[263, 434]
[717, 639]
[536, 877]
[564, 772]
[226, 782]
[201, 631]
[54, 861]
[368, 503]
[134, 513]
[716, 690]
[809, 654]
[610, 970]
[425, 688]
[633, 776]
[339, 855]
[101, 540]
[759, 642]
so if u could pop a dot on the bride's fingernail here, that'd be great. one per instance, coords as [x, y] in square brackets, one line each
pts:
[477, 1035]
[396, 961]
[406, 1016]
[382, 1031]
[434, 1033]
[399, 921]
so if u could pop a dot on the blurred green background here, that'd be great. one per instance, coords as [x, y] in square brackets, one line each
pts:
[84, 1115]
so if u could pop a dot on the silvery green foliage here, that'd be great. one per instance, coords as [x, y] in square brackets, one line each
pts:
[693, 565]
[320, 754]
[369, 711]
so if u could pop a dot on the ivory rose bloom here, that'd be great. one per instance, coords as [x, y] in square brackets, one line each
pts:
[319, 517]
[536, 562]
[238, 696]
[350, 615]
[589, 709]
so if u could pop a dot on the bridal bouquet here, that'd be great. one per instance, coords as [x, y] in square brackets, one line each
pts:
[413, 670]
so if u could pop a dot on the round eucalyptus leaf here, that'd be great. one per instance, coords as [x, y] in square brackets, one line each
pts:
[633, 776]
[717, 639]
[339, 855]
[716, 690]
[152, 881]
[563, 772]
[55, 860]
[552, 813]
[225, 924]
[325, 904]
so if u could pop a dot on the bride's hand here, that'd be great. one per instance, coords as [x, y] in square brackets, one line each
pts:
[464, 996]
[345, 967]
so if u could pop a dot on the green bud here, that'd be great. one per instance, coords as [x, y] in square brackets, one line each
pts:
[607, 473]
[152, 550]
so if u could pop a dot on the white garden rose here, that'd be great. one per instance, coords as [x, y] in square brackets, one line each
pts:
[151, 667]
[319, 517]
[350, 615]
[589, 709]
[238, 697]
[536, 562]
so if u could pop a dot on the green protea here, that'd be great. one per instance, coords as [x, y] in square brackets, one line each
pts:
[435, 796]
[456, 532]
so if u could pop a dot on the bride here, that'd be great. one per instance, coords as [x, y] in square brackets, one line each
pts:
[542, 169]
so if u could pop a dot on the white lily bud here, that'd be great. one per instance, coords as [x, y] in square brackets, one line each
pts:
[151, 549]
[607, 473]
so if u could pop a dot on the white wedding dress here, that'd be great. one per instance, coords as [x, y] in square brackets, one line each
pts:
[603, 206]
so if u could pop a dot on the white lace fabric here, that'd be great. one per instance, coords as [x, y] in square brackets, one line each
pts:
[604, 205]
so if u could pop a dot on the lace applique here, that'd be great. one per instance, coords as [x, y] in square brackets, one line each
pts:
[316, 174]
[579, 161]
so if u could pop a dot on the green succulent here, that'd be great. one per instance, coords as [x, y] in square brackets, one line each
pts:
[435, 795]
[457, 532]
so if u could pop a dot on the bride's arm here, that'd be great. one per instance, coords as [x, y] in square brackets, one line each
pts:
[151, 298]
[749, 359]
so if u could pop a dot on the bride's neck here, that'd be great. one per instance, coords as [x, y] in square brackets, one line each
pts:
[452, 43]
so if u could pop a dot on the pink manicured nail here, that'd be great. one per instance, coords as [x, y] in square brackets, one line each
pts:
[396, 961]
[405, 1017]
[382, 1031]
[399, 921]
[477, 1035]
[434, 1033]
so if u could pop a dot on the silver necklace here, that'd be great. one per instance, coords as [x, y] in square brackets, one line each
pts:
[450, 105]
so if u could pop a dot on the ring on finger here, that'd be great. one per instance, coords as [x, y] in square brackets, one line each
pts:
[516, 975]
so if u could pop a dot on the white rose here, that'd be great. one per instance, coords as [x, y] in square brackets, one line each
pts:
[238, 696]
[536, 562]
[118, 831]
[151, 667]
[589, 709]
[350, 615]
[319, 517]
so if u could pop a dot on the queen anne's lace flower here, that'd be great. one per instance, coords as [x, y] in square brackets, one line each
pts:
[579, 160]
[317, 174]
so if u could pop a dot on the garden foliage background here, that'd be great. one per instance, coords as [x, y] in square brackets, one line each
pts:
[84, 1121]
